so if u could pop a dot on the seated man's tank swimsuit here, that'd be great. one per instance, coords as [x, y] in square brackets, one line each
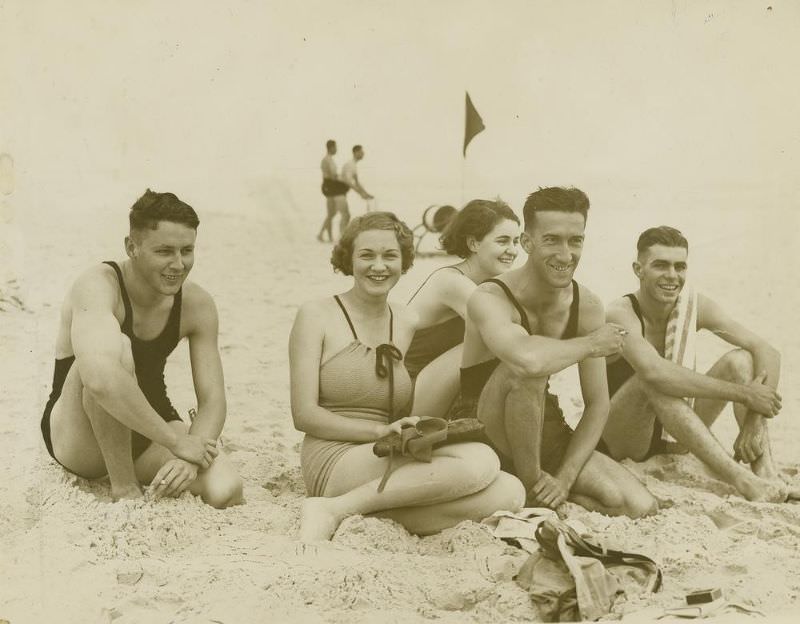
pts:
[430, 342]
[149, 356]
[618, 372]
[556, 432]
[356, 382]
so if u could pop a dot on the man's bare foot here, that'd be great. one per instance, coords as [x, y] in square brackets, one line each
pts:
[317, 521]
[760, 490]
[126, 492]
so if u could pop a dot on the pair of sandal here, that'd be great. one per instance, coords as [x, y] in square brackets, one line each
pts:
[418, 441]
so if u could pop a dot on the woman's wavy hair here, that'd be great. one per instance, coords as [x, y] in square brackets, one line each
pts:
[476, 219]
[342, 255]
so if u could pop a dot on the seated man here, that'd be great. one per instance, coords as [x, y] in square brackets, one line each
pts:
[526, 325]
[649, 380]
[109, 412]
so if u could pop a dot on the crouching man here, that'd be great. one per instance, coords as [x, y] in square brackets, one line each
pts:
[108, 412]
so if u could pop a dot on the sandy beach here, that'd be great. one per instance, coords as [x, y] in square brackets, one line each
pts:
[671, 112]
[71, 555]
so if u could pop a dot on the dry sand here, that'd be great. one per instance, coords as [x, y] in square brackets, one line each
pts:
[68, 554]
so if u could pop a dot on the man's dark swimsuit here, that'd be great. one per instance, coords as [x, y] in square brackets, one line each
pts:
[149, 357]
[618, 372]
[556, 432]
[334, 188]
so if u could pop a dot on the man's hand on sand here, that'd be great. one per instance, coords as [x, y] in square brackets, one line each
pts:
[607, 339]
[750, 442]
[173, 479]
[548, 492]
[761, 398]
[194, 449]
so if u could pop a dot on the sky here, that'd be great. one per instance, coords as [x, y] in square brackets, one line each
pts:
[644, 105]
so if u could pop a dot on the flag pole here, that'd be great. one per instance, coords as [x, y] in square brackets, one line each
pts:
[463, 168]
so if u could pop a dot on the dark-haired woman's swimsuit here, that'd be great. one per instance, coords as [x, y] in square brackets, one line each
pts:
[556, 433]
[149, 357]
[431, 342]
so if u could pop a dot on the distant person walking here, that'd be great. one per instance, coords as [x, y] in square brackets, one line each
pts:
[350, 173]
[335, 192]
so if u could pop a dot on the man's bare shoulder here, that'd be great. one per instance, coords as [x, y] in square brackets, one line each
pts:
[198, 309]
[590, 302]
[620, 306]
[195, 296]
[96, 286]
[591, 310]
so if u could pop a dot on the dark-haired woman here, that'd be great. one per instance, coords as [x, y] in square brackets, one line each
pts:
[348, 380]
[485, 234]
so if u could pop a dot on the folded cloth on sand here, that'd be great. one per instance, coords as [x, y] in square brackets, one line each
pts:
[573, 578]
[519, 528]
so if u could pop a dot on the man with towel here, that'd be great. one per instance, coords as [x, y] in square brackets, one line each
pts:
[659, 404]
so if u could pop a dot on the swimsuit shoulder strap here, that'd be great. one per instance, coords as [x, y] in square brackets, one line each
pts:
[127, 323]
[636, 309]
[347, 316]
[430, 276]
[571, 330]
[523, 315]
[391, 323]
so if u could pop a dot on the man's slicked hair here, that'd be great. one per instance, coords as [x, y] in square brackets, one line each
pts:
[357, 148]
[152, 208]
[330, 143]
[661, 235]
[554, 198]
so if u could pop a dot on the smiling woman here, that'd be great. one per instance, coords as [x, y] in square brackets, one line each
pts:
[485, 234]
[348, 383]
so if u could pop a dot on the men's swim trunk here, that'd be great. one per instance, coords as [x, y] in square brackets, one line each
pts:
[334, 188]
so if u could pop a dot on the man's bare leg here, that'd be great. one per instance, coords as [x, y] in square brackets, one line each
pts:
[344, 213]
[605, 486]
[680, 421]
[512, 410]
[88, 440]
[736, 366]
[436, 386]
[219, 485]
[629, 428]
[327, 224]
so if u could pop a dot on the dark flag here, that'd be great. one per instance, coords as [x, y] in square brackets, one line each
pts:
[473, 126]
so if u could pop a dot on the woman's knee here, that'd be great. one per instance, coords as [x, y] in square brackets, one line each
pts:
[508, 493]
[479, 465]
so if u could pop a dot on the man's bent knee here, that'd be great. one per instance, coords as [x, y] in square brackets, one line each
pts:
[640, 505]
[223, 492]
[739, 363]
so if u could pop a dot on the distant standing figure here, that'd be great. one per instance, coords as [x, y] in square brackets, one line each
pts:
[350, 173]
[335, 192]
